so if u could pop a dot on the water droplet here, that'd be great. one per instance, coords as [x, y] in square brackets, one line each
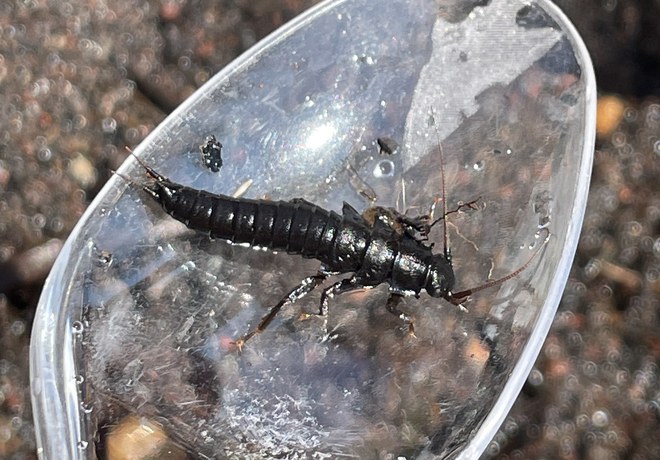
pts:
[77, 327]
[384, 168]
[86, 408]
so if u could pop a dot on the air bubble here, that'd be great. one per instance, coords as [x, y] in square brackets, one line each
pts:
[478, 166]
[79, 379]
[82, 445]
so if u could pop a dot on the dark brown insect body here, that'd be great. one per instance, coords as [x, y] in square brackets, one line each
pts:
[381, 246]
[374, 252]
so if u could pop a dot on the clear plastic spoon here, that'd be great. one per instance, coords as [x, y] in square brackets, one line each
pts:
[138, 314]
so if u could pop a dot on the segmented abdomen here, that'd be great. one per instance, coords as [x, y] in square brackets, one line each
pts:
[296, 226]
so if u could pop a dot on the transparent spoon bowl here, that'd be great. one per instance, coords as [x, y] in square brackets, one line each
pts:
[138, 315]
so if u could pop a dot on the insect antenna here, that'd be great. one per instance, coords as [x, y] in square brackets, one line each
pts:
[446, 251]
[150, 171]
[444, 201]
[126, 178]
[470, 204]
[459, 297]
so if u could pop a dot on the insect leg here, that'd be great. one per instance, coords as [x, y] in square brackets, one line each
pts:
[393, 307]
[304, 288]
[360, 184]
[340, 287]
[470, 205]
[420, 226]
[400, 223]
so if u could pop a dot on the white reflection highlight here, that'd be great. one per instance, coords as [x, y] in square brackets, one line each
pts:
[320, 136]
